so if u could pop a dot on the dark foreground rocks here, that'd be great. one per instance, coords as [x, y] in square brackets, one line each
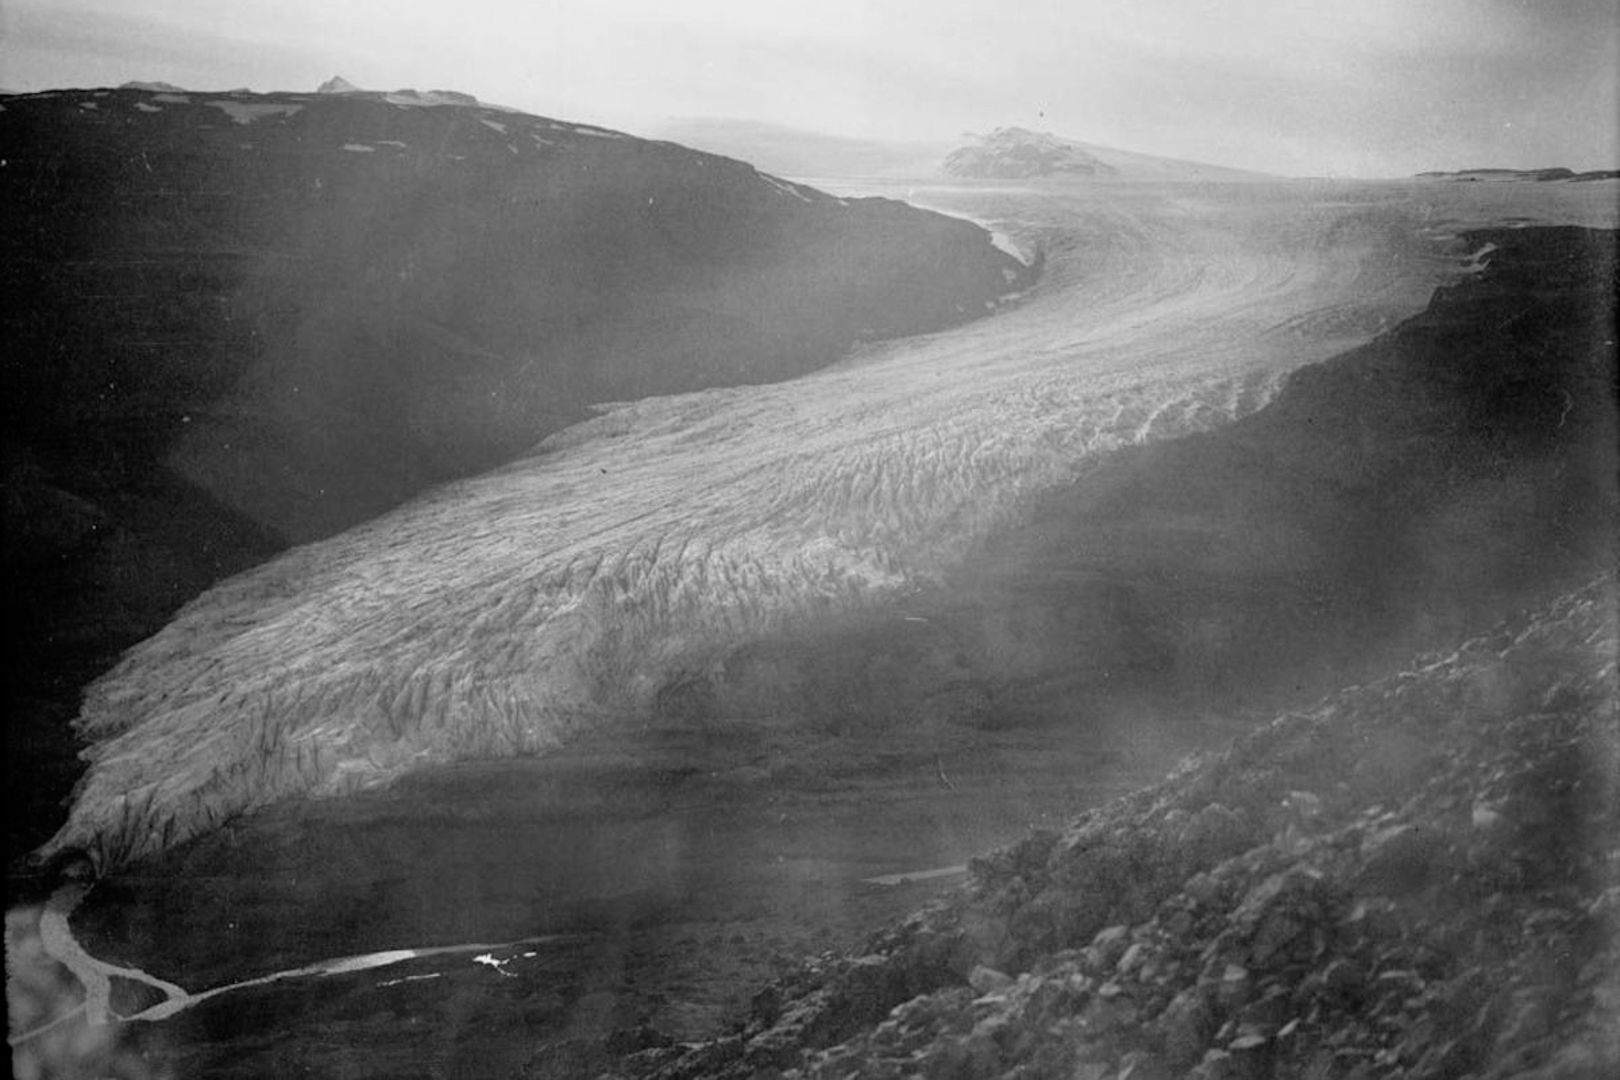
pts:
[1419, 877]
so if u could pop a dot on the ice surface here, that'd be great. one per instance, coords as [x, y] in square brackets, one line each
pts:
[495, 615]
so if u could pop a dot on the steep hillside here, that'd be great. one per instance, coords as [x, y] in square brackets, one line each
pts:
[1413, 878]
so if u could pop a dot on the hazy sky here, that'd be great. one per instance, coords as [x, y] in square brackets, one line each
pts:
[1345, 87]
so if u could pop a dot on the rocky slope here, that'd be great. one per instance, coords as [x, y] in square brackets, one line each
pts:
[1413, 878]
[237, 321]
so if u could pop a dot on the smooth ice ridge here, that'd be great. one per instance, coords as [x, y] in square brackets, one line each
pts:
[492, 616]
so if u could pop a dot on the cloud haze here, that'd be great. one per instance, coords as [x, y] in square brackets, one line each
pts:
[1380, 87]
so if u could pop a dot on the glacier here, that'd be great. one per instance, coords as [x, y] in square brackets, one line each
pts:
[496, 615]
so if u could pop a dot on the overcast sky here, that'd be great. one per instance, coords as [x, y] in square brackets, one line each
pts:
[1300, 87]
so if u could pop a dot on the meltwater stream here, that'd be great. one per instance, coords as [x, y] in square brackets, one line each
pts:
[415, 665]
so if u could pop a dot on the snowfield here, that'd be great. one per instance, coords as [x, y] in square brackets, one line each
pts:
[493, 616]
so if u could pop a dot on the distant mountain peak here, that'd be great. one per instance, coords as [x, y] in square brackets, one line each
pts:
[337, 84]
[159, 87]
[1019, 153]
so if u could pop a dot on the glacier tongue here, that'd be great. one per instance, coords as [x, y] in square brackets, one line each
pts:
[492, 616]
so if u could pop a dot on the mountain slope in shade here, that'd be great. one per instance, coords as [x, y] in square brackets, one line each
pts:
[1014, 153]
